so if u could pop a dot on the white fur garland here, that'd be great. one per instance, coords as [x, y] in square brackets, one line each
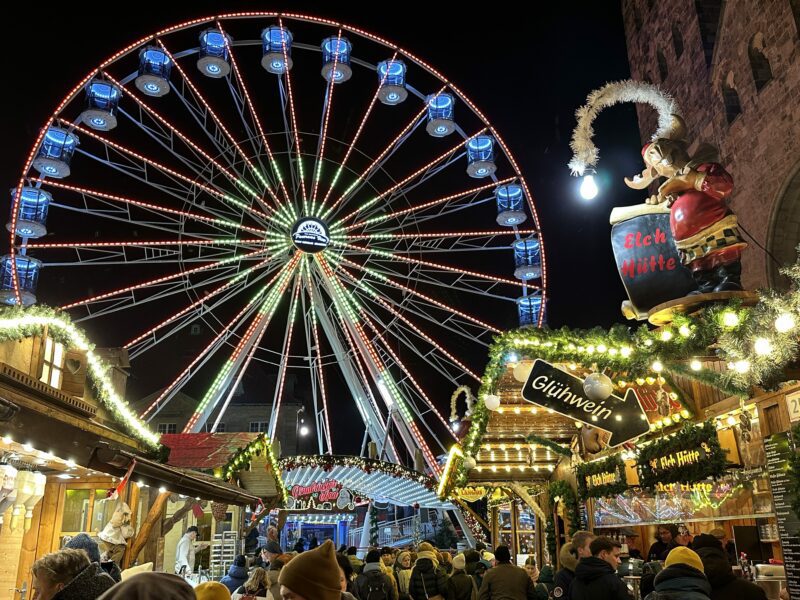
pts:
[470, 399]
[585, 153]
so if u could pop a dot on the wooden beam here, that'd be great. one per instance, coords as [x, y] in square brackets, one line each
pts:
[178, 515]
[153, 515]
[475, 515]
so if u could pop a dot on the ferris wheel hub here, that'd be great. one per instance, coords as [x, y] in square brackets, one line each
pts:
[311, 235]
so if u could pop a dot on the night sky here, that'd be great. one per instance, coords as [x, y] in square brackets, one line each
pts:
[527, 75]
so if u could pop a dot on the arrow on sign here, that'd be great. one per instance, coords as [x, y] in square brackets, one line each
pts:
[550, 387]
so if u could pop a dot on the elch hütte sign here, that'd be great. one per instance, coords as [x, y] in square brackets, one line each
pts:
[555, 389]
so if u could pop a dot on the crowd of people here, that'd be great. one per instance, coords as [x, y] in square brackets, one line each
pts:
[589, 567]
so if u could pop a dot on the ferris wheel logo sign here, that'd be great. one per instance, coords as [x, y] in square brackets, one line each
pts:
[310, 235]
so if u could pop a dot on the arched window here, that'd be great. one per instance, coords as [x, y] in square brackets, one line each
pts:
[795, 6]
[708, 15]
[733, 108]
[662, 65]
[759, 63]
[677, 40]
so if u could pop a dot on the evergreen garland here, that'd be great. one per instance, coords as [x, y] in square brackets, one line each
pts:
[373, 526]
[564, 490]
[794, 469]
[548, 443]
[611, 464]
[690, 437]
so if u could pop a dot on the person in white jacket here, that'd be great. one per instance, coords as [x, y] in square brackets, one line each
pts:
[184, 553]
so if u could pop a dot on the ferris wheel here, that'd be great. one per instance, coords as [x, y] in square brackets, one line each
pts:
[326, 202]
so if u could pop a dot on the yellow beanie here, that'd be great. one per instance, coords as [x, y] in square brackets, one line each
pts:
[212, 590]
[684, 556]
[313, 574]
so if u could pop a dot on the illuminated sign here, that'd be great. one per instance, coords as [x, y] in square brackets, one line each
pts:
[321, 495]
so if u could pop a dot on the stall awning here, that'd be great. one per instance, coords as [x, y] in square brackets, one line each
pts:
[181, 481]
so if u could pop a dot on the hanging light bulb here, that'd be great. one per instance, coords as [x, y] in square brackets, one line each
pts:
[695, 365]
[657, 367]
[588, 188]
[685, 331]
[666, 335]
[742, 366]
[730, 319]
[784, 322]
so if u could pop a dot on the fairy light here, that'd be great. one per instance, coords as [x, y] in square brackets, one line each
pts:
[319, 368]
[762, 346]
[730, 319]
[784, 323]
[155, 243]
[439, 235]
[741, 366]
[695, 365]
[284, 365]
[657, 366]
[666, 335]
[685, 330]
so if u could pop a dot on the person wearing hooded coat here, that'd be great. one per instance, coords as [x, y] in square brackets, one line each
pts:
[69, 575]
[426, 579]
[83, 541]
[568, 558]
[717, 567]
[237, 574]
[460, 585]
[150, 586]
[682, 577]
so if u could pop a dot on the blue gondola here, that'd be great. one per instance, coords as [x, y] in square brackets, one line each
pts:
[529, 308]
[55, 153]
[440, 115]
[27, 275]
[102, 101]
[336, 51]
[154, 69]
[480, 156]
[277, 48]
[510, 209]
[392, 79]
[31, 210]
[527, 258]
[214, 54]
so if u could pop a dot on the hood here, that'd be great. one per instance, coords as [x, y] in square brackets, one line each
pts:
[150, 586]
[592, 568]
[546, 574]
[355, 560]
[424, 565]
[369, 567]
[681, 579]
[718, 569]
[238, 573]
[567, 559]
[90, 583]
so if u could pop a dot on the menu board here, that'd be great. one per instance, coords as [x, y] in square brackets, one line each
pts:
[779, 448]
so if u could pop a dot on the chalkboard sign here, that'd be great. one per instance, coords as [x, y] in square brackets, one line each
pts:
[779, 448]
[647, 259]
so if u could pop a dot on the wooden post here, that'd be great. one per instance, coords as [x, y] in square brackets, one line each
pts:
[153, 516]
[495, 530]
[514, 528]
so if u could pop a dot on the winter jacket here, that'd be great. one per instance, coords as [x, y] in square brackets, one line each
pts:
[595, 579]
[546, 578]
[680, 582]
[357, 563]
[563, 579]
[460, 586]
[724, 584]
[112, 568]
[373, 577]
[403, 578]
[89, 584]
[426, 580]
[659, 550]
[241, 591]
[506, 582]
[236, 577]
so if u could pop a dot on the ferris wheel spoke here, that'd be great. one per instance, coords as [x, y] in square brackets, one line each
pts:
[357, 134]
[318, 160]
[442, 235]
[386, 195]
[254, 115]
[287, 77]
[167, 141]
[376, 164]
[227, 199]
[253, 348]
[213, 115]
[221, 264]
[320, 373]
[387, 281]
[238, 358]
[220, 339]
[284, 364]
[111, 201]
[406, 426]
[232, 286]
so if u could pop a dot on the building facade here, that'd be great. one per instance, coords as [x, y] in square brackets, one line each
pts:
[734, 69]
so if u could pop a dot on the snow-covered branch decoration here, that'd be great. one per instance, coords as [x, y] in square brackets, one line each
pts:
[585, 153]
[470, 399]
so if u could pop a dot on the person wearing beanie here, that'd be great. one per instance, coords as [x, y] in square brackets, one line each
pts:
[402, 574]
[212, 590]
[506, 581]
[724, 584]
[682, 578]
[596, 575]
[373, 583]
[427, 581]
[150, 586]
[237, 574]
[312, 575]
[562, 582]
[83, 542]
[460, 585]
